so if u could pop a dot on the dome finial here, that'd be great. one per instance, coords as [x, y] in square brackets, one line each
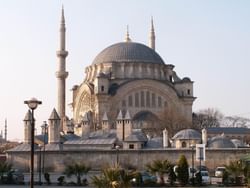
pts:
[127, 39]
[152, 35]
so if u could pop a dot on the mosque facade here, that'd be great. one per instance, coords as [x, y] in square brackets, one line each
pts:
[127, 91]
[131, 76]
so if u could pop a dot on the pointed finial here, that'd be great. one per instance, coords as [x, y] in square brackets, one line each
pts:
[152, 25]
[120, 116]
[127, 116]
[54, 115]
[152, 35]
[105, 117]
[127, 39]
[62, 16]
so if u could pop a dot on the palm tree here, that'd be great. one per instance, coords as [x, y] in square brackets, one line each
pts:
[159, 167]
[77, 169]
[5, 168]
[236, 169]
[113, 177]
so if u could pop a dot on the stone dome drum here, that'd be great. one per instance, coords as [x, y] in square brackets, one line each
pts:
[128, 52]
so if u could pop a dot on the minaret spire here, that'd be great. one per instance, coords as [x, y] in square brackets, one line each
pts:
[152, 35]
[61, 73]
[127, 39]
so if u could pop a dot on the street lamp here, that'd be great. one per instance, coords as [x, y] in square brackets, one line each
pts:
[192, 146]
[117, 154]
[32, 104]
[40, 165]
[45, 132]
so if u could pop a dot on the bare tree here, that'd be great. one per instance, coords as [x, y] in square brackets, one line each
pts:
[235, 121]
[209, 117]
[173, 121]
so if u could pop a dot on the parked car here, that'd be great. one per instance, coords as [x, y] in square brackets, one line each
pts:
[205, 177]
[219, 171]
[146, 177]
[202, 168]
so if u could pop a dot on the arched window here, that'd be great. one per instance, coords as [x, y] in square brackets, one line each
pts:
[183, 144]
[136, 100]
[130, 101]
[142, 99]
[147, 99]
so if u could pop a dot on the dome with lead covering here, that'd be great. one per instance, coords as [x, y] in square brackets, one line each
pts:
[187, 134]
[128, 52]
[220, 142]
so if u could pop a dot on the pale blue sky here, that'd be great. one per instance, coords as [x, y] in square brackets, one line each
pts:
[206, 40]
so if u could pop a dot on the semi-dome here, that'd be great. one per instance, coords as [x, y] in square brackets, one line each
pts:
[128, 52]
[187, 134]
[220, 142]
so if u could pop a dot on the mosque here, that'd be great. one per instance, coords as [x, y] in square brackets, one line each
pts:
[121, 105]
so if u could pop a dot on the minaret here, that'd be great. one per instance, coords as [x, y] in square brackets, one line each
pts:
[152, 35]
[27, 127]
[5, 130]
[61, 74]
[127, 39]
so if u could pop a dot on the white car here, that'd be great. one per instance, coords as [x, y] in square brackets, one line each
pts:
[219, 171]
[205, 177]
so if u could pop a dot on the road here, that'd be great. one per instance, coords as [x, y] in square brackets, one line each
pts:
[52, 186]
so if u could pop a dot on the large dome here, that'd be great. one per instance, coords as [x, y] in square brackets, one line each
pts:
[128, 52]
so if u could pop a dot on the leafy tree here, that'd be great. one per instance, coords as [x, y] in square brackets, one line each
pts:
[5, 168]
[159, 167]
[113, 177]
[182, 170]
[76, 169]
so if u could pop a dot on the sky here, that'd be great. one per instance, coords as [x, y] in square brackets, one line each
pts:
[206, 40]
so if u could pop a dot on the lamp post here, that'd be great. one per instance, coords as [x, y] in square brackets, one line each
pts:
[45, 132]
[32, 104]
[117, 154]
[40, 165]
[192, 146]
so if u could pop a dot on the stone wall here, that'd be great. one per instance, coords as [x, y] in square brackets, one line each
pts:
[55, 161]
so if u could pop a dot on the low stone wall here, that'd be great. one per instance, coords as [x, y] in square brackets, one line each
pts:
[55, 161]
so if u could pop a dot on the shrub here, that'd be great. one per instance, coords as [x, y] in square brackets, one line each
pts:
[182, 170]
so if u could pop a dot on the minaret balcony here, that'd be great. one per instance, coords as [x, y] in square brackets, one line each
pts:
[60, 74]
[62, 53]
